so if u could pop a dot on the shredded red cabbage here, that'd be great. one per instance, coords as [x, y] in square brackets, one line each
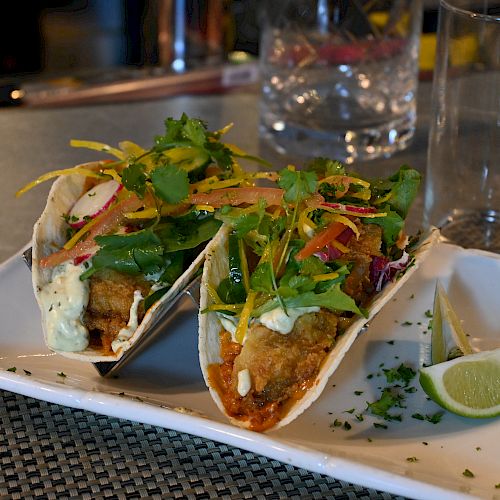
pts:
[330, 253]
[382, 270]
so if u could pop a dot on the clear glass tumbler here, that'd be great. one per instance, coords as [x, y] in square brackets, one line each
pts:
[339, 79]
[462, 188]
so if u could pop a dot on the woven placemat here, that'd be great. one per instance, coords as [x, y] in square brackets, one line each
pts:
[52, 451]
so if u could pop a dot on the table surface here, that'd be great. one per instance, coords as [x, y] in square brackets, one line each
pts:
[47, 449]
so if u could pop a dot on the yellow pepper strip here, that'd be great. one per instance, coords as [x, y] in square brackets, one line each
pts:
[383, 199]
[244, 265]
[224, 130]
[56, 173]
[78, 235]
[147, 213]
[340, 179]
[212, 293]
[205, 208]
[113, 173]
[224, 307]
[339, 246]
[98, 146]
[131, 148]
[335, 217]
[325, 277]
[203, 187]
[364, 194]
[237, 170]
[305, 221]
[242, 327]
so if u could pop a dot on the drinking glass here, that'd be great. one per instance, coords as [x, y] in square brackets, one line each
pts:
[462, 188]
[339, 79]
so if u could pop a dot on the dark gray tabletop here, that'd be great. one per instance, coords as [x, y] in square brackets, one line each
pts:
[50, 451]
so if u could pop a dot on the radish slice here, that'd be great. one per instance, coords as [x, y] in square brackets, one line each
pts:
[93, 202]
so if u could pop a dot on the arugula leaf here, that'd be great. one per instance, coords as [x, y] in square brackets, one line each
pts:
[297, 184]
[391, 225]
[170, 183]
[400, 189]
[333, 299]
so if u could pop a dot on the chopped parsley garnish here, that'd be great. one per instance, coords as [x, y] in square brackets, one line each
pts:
[61, 374]
[402, 372]
[467, 473]
[433, 419]
[26, 372]
[12, 369]
[389, 399]
[412, 459]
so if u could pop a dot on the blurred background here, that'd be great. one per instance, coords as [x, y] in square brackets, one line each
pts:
[49, 47]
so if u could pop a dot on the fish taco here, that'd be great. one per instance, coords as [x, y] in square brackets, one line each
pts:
[119, 238]
[291, 279]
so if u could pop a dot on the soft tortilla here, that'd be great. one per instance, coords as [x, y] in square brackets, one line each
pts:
[216, 268]
[49, 235]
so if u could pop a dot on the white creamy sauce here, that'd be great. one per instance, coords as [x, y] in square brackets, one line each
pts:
[281, 322]
[123, 337]
[244, 382]
[64, 300]
[229, 323]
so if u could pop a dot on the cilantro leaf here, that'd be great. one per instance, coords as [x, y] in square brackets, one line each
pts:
[134, 253]
[170, 183]
[297, 184]
[134, 178]
[325, 167]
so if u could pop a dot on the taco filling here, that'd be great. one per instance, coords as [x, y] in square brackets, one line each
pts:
[117, 237]
[296, 277]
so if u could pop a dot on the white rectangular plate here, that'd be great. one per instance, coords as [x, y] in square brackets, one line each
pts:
[163, 386]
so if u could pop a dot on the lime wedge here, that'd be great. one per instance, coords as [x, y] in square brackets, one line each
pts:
[468, 386]
[448, 337]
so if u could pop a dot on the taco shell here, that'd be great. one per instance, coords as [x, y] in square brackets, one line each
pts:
[216, 268]
[49, 235]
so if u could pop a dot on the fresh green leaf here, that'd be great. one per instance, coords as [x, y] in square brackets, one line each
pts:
[175, 235]
[391, 225]
[134, 178]
[401, 189]
[170, 183]
[333, 299]
[297, 184]
[325, 167]
[134, 253]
